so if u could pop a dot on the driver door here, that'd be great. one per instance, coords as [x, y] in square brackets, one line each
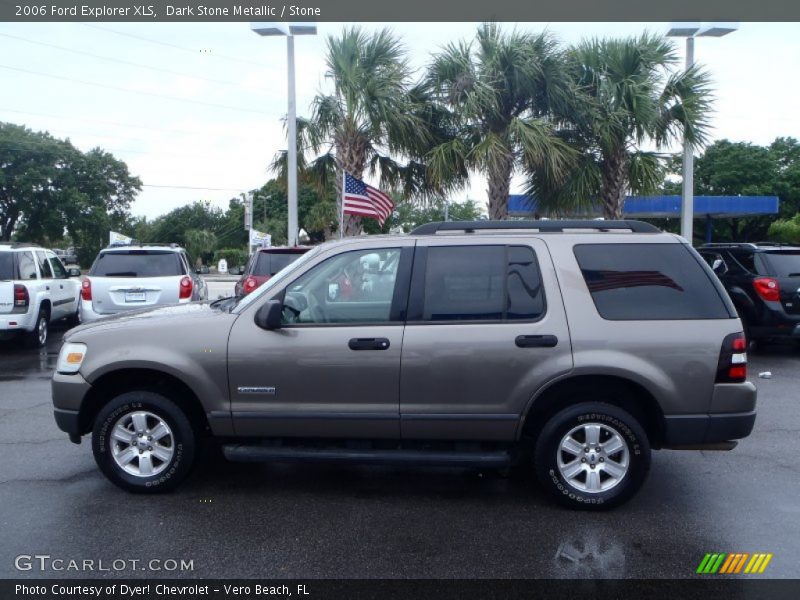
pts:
[333, 368]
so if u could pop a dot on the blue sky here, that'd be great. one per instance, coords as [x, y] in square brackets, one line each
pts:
[202, 105]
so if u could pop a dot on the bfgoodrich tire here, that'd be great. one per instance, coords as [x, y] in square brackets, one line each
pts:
[592, 456]
[143, 442]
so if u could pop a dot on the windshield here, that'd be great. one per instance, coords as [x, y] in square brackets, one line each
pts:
[137, 263]
[6, 265]
[244, 301]
[785, 263]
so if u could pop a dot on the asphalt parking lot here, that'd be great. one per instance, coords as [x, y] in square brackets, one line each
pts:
[234, 520]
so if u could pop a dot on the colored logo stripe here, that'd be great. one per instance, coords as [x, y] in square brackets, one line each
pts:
[723, 563]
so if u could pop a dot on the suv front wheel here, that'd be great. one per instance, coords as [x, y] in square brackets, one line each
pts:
[592, 456]
[143, 442]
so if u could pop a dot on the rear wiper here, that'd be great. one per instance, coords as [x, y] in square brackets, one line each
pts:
[122, 274]
[793, 275]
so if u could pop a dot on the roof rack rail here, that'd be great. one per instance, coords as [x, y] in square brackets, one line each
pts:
[775, 244]
[541, 226]
[138, 243]
[15, 245]
[729, 245]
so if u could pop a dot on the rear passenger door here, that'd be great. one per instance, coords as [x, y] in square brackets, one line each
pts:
[486, 328]
[63, 291]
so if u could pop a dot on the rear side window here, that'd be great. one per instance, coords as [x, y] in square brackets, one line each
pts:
[482, 283]
[137, 263]
[648, 282]
[785, 263]
[26, 265]
[270, 263]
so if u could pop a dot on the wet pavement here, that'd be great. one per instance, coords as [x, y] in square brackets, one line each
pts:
[234, 520]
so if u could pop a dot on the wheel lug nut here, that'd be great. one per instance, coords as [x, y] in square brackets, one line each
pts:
[602, 459]
[586, 449]
[149, 438]
[592, 466]
[140, 435]
[150, 448]
[583, 460]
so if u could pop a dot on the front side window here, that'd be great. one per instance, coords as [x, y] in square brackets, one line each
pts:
[44, 266]
[56, 266]
[482, 283]
[648, 282]
[352, 287]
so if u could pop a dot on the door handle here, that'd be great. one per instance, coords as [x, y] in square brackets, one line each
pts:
[536, 341]
[47, 287]
[368, 344]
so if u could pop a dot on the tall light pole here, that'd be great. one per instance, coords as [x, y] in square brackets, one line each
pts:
[289, 30]
[691, 30]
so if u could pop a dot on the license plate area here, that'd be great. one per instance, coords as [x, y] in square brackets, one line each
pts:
[135, 297]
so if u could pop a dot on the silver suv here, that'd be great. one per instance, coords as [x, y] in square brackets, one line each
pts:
[569, 347]
[130, 277]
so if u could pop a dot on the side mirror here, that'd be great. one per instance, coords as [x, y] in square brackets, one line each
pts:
[719, 267]
[269, 316]
[73, 272]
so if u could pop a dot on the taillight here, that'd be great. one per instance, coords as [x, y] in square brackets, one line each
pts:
[21, 297]
[186, 288]
[86, 289]
[732, 366]
[249, 284]
[767, 288]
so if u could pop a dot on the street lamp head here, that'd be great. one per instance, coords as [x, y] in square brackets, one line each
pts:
[683, 29]
[718, 29]
[271, 29]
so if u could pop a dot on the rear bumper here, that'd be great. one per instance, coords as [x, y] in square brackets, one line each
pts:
[11, 322]
[731, 416]
[790, 329]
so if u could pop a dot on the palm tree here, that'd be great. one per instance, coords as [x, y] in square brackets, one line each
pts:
[630, 97]
[501, 91]
[370, 116]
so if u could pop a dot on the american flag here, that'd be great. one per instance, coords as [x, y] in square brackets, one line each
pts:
[363, 200]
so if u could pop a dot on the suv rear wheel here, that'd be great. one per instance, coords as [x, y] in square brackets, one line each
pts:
[592, 456]
[143, 442]
[38, 337]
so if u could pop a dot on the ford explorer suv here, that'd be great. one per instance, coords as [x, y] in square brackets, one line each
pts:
[35, 290]
[763, 281]
[132, 277]
[572, 348]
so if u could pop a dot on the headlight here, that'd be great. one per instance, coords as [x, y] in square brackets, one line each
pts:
[70, 358]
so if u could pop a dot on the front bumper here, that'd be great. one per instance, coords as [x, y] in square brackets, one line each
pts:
[731, 416]
[68, 393]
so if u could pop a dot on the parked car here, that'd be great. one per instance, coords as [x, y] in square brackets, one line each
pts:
[202, 270]
[35, 290]
[68, 256]
[131, 277]
[265, 263]
[763, 280]
[571, 348]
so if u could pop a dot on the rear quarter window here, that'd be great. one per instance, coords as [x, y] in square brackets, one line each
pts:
[7, 270]
[648, 282]
[784, 263]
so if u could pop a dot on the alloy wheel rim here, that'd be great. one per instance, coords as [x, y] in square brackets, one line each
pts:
[42, 331]
[593, 457]
[142, 443]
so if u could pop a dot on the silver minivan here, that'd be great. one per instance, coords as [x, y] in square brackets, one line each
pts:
[131, 277]
[570, 348]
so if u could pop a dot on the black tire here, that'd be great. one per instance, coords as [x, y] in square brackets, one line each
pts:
[38, 337]
[611, 419]
[166, 473]
[75, 318]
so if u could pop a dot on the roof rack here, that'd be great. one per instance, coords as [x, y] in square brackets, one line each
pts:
[775, 244]
[142, 244]
[19, 245]
[729, 245]
[554, 226]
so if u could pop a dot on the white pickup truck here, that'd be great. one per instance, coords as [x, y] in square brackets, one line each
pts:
[35, 290]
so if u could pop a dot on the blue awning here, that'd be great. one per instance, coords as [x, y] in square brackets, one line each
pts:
[670, 206]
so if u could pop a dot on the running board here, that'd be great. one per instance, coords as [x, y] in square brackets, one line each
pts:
[245, 453]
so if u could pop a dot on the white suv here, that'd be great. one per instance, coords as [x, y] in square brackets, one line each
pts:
[130, 277]
[35, 290]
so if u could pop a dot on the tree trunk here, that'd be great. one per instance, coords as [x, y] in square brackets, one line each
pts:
[614, 182]
[499, 184]
[351, 156]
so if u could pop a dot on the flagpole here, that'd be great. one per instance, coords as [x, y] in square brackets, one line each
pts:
[341, 200]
